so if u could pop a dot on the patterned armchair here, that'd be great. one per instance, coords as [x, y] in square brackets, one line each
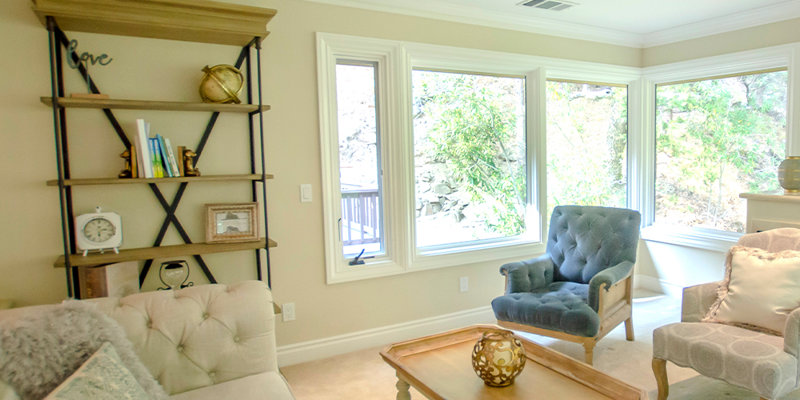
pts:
[580, 289]
[767, 364]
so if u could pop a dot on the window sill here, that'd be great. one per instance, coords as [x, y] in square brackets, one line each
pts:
[498, 252]
[705, 239]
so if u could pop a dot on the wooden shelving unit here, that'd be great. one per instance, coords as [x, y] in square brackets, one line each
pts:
[188, 20]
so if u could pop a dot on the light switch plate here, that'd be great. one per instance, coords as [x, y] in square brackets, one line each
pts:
[305, 193]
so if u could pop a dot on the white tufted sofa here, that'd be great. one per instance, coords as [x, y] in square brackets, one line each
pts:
[203, 342]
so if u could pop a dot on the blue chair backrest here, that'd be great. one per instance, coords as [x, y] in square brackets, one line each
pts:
[584, 240]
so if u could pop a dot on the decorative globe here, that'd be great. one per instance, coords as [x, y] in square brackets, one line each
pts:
[498, 357]
[221, 84]
[789, 174]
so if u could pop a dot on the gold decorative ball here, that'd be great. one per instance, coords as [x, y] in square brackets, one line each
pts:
[221, 84]
[498, 357]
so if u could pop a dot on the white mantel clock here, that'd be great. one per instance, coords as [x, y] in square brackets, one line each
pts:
[98, 231]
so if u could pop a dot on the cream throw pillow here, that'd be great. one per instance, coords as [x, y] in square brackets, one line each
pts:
[759, 291]
[101, 377]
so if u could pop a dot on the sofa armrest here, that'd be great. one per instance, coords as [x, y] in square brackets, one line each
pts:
[605, 279]
[791, 334]
[697, 300]
[528, 275]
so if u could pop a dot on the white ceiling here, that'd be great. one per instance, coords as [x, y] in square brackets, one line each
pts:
[640, 23]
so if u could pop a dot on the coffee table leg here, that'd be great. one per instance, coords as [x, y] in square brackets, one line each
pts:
[402, 389]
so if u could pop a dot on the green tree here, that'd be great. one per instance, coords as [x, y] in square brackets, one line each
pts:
[716, 138]
[475, 132]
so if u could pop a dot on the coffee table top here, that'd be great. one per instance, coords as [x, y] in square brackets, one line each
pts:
[440, 367]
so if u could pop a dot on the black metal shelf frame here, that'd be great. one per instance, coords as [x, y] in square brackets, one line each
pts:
[58, 41]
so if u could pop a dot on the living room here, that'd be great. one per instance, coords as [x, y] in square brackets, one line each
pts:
[333, 318]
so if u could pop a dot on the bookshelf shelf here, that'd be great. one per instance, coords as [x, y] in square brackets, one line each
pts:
[118, 104]
[188, 179]
[146, 253]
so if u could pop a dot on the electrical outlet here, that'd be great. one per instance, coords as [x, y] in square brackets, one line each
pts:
[463, 283]
[288, 312]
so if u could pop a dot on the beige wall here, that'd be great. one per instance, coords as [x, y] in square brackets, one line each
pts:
[153, 69]
[774, 34]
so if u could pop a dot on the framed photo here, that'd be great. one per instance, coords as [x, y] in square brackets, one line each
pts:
[235, 222]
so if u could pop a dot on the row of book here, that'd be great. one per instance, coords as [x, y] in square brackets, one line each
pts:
[154, 157]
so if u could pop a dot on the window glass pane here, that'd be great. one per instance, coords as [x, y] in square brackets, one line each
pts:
[359, 158]
[587, 139]
[715, 139]
[469, 155]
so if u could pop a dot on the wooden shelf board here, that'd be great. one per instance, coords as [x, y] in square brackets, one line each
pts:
[119, 104]
[189, 20]
[148, 253]
[117, 181]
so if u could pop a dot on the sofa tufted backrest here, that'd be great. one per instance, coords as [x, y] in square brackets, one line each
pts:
[584, 240]
[199, 336]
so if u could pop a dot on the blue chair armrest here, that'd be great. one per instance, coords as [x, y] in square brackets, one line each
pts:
[605, 279]
[528, 275]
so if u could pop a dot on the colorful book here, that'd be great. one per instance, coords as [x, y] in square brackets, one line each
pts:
[142, 143]
[158, 170]
[173, 162]
[134, 161]
[162, 149]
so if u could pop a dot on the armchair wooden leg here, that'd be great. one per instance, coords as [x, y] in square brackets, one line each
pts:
[629, 329]
[589, 348]
[660, 371]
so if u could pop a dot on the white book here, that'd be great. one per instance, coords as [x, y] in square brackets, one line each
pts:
[141, 136]
[173, 163]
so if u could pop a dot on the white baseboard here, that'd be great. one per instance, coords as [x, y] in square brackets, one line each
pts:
[654, 284]
[331, 346]
[328, 347]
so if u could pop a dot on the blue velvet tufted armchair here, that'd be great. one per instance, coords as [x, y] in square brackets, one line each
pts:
[580, 289]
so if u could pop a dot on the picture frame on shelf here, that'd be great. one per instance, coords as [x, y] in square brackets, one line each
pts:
[232, 222]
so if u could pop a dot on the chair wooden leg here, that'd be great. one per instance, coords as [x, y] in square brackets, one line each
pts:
[589, 348]
[629, 329]
[660, 371]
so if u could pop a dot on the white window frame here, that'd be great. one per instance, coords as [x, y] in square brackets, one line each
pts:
[331, 48]
[738, 63]
[395, 62]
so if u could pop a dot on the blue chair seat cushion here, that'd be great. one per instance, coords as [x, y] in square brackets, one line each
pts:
[561, 306]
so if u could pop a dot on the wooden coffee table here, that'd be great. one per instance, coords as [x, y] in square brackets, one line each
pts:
[440, 367]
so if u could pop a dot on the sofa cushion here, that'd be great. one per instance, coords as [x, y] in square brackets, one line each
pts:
[738, 356]
[561, 306]
[101, 377]
[760, 289]
[41, 346]
[267, 385]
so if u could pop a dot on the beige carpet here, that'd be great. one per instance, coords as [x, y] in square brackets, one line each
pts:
[363, 375]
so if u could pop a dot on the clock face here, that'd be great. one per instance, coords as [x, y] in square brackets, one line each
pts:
[99, 230]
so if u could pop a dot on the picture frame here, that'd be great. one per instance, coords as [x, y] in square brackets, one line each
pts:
[232, 222]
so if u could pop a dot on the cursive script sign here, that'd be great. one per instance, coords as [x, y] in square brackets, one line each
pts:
[74, 60]
[86, 57]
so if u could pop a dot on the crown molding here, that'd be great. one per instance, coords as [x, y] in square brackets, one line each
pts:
[544, 26]
[478, 16]
[732, 22]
